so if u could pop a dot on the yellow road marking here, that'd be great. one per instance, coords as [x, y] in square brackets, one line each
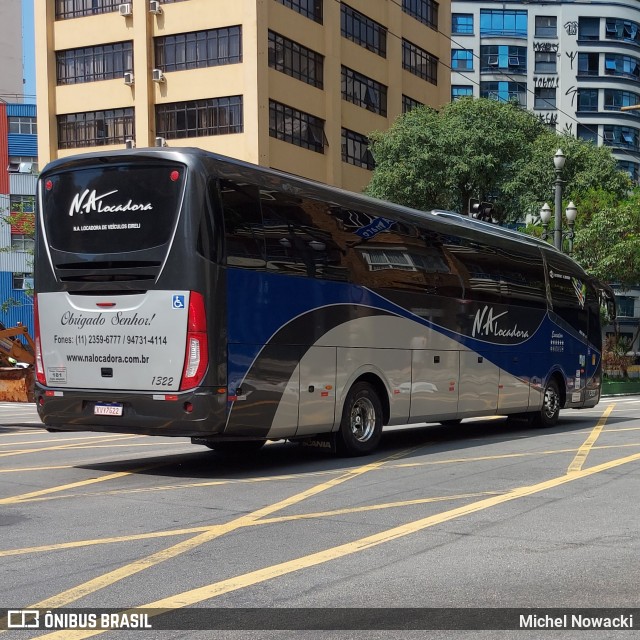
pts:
[62, 446]
[207, 592]
[58, 440]
[180, 532]
[583, 451]
[22, 469]
[80, 483]
[75, 593]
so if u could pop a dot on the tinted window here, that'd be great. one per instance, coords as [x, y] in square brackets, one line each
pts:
[244, 234]
[298, 237]
[111, 209]
[568, 294]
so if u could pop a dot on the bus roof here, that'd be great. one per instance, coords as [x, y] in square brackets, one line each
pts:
[234, 168]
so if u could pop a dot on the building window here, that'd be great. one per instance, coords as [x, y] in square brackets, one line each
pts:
[544, 98]
[22, 242]
[295, 60]
[588, 28]
[622, 137]
[21, 204]
[616, 98]
[426, 11]
[197, 118]
[362, 30]
[623, 66]
[23, 164]
[462, 24]
[355, 150]
[296, 127]
[587, 100]
[199, 49]
[95, 128]
[632, 170]
[546, 62]
[22, 281]
[363, 91]
[588, 134]
[503, 22]
[77, 8]
[309, 8]
[22, 124]
[588, 64]
[91, 64]
[409, 103]
[546, 27]
[626, 30]
[461, 91]
[504, 58]
[461, 60]
[505, 92]
[419, 62]
[625, 306]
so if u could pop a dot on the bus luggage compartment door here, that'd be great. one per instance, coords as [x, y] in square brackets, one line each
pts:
[434, 386]
[317, 391]
[478, 384]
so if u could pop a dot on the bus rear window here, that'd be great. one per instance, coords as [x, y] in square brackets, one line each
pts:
[115, 209]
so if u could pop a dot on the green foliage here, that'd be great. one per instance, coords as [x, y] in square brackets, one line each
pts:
[432, 159]
[480, 148]
[609, 245]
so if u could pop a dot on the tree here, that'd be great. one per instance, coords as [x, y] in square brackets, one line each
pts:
[608, 246]
[485, 149]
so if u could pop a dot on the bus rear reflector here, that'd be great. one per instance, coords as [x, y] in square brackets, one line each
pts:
[40, 377]
[197, 346]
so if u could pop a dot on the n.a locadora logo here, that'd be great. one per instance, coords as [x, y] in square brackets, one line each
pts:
[91, 202]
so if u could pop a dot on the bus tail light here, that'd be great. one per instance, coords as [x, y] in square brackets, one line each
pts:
[40, 377]
[197, 346]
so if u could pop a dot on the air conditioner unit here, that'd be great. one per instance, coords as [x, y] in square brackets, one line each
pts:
[125, 9]
[130, 143]
[157, 75]
[128, 78]
[161, 142]
[154, 7]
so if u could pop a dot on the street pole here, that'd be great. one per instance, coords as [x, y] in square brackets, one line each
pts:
[557, 232]
[558, 162]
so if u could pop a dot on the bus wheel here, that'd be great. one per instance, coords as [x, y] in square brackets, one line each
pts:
[361, 425]
[550, 411]
[236, 448]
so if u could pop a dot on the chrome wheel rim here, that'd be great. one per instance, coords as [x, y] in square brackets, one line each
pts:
[362, 419]
[551, 402]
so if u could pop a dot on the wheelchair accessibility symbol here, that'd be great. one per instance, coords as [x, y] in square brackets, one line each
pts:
[177, 302]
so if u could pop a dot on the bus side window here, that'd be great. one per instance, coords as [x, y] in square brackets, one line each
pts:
[209, 241]
[568, 295]
[244, 233]
[298, 237]
[522, 279]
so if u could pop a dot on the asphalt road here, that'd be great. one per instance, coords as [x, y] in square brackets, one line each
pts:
[479, 517]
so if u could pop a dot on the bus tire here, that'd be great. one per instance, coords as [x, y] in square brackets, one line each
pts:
[236, 447]
[361, 425]
[550, 411]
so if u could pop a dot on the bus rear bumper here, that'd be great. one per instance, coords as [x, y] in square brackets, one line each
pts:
[189, 414]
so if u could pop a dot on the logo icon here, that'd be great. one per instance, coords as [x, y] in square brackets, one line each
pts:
[177, 301]
[23, 619]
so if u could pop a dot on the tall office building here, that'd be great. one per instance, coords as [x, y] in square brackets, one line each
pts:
[573, 63]
[11, 70]
[292, 84]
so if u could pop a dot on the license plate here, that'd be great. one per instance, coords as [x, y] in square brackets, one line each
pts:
[107, 409]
